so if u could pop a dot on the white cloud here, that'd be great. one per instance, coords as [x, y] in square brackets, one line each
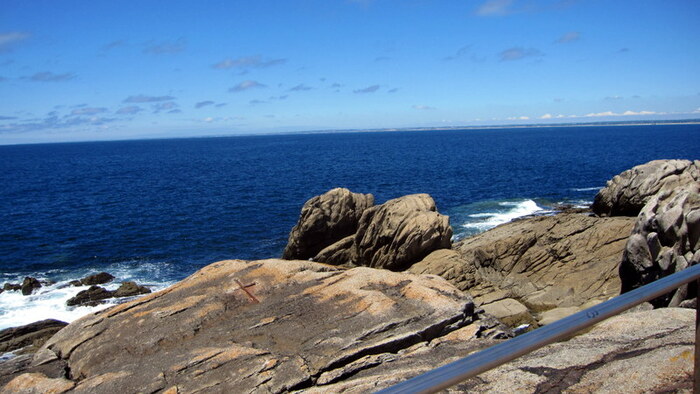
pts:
[546, 116]
[255, 61]
[423, 107]
[626, 113]
[517, 53]
[48, 76]
[88, 111]
[142, 98]
[495, 8]
[7, 40]
[166, 47]
[245, 85]
[369, 89]
[569, 37]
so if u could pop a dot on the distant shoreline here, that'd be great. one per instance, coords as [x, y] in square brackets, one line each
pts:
[392, 129]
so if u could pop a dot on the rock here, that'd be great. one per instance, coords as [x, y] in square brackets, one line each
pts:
[324, 220]
[632, 353]
[543, 262]
[262, 325]
[555, 314]
[12, 287]
[128, 289]
[96, 279]
[31, 335]
[91, 296]
[38, 383]
[29, 285]
[400, 232]
[663, 241]
[339, 253]
[628, 192]
[510, 312]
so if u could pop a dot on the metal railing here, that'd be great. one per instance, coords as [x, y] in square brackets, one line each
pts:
[468, 367]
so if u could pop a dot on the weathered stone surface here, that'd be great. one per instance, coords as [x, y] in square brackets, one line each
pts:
[401, 232]
[37, 383]
[29, 285]
[629, 191]
[664, 240]
[31, 335]
[12, 287]
[510, 312]
[324, 220]
[544, 262]
[339, 253]
[639, 352]
[275, 325]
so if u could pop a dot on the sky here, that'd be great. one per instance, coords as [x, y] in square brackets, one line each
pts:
[106, 70]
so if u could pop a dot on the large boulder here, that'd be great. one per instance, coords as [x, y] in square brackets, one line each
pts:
[665, 239]
[642, 352]
[29, 337]
[400, 232]
[628, 192]
[324, 220]
[544, 262]
[270, 325]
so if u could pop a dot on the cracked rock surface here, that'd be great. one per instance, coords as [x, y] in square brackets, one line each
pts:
[252, 326]
[545, 262]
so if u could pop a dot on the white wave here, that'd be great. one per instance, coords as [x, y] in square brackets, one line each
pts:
[49, 302]
[512, 210]
[586, 189]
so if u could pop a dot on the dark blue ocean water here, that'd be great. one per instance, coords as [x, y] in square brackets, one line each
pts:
[157, 210]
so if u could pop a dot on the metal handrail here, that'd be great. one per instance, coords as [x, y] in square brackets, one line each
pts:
[494, 356]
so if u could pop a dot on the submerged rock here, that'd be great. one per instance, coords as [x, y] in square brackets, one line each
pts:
[29, 285]
[96, 279]
[324, 220]
[270, 325]
[628, 192]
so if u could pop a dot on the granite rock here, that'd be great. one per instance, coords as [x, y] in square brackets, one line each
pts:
[628, 192]
[324, 220]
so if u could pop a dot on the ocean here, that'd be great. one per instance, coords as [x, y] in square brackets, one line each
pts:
[154, 211]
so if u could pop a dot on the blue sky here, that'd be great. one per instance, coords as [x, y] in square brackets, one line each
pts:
[100, 70]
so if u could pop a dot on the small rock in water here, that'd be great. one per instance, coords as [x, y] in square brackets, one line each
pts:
[96, 279]
[29, 285]
[128, 289]
[91, 297]
[12, 287]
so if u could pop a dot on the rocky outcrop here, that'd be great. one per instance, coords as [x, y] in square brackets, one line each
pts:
[665, 239]
[29, 285]
[393, 235]
[628, 192]
[324, 220]
[96, 294]
[96, 279]
[400, 232]
[270, 325]
[29, 337]
[544, 262]
[642, 352]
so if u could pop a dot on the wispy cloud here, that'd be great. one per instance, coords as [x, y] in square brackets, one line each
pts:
[48, 76]
[517, 53]
[626, 113]
[169, 106]
[245, 62]
[113, 45]
[300, 88]
[10, 39]
[495, 8]
[88, 111]
[8, 117]
[53, 122]
[203, 104]
[369, 89]
[130, 110]
[245, 85]
[423, 107]
[142, 98]
[166, 47]
[256, 102]
[569, 37]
